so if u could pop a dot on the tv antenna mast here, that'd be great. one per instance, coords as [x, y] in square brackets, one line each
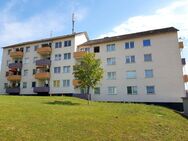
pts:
[73, 22]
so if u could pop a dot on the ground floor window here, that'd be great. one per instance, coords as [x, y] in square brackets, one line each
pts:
[24, 84]
[97, 90]
[56, 83]
[112, 90]
[132, 90]
[150, 89]
[5, 85]
[66, 83]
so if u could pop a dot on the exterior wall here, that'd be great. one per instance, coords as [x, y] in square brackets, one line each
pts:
[75, 40]
[166, 65]
[4, 68]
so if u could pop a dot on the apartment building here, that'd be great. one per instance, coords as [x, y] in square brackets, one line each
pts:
[40, 67]
[138, 67]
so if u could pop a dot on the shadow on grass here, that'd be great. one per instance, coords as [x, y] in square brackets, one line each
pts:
[62, 103]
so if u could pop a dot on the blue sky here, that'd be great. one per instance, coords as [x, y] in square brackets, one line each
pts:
[23, 20]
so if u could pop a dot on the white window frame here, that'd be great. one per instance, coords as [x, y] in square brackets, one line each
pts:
[112, 90]
[111, 61]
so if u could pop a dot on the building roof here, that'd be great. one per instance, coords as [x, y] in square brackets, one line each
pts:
[47, 39]
[129, 36]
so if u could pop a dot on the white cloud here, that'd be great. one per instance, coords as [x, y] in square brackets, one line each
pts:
[175, 14]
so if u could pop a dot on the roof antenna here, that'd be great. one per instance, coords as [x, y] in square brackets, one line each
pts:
[73, 21]
[51, 34]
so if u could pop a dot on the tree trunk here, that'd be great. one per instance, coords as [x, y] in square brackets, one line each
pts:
[88, 94]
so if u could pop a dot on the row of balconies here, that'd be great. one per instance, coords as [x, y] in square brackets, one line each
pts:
[35, 90]
[44, 89]
[44, 50]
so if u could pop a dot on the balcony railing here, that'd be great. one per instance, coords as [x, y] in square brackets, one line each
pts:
[41, 90]
[75, 83]
[185, 78]
[46, 50]
[181, 45]
[42, 75]
[13, 90]
[15, 65]
[14, 78]
[78, 55]
[183, 61]
[43, 62]
[16, 54]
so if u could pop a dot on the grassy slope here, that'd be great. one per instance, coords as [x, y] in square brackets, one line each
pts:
[44, 118]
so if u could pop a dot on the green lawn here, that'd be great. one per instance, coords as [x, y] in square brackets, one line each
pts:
[70, 119]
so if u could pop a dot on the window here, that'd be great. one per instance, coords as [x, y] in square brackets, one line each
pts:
[34, 71]
[57, 57]
[66, 69]
[33, 84]
[85, 49]
[67, 43]
[67, 56]
[131, 74]
[111, 61]
[9, 51]
[97, 90]
[58, 44]
[24, 85]
[82, 90]
[129, 45]
[27, 49]
[25, 72]
[26, 60]
[36, 47]
[57, 69]
[110, 47]
[131, 90]
[146, 43]
[147, 57]
[111, 75]
[35, 59]
[96, 49]
[130, 59]
[112, 90]
[150, 89]
[8, 62]
[66, 83]
[56, 83]
[5, 85]
[149, 73]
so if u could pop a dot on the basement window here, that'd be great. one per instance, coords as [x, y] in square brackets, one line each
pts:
[96, 49]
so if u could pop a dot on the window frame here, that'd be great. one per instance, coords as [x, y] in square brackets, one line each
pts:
[148, 91]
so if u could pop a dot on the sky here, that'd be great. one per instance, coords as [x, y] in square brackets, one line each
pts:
[25, 20]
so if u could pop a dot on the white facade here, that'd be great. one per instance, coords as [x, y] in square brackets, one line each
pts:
[158, 78]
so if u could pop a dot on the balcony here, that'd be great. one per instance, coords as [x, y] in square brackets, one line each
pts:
[16, 54]
[14, 78]
[75, 83]
[45, 50]
[78, 55]
[185, 78]
[181, 46]
[183, 61]
[42, 75]
[15, 65]
[13, 90]
[41, 90]
[43, 62]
